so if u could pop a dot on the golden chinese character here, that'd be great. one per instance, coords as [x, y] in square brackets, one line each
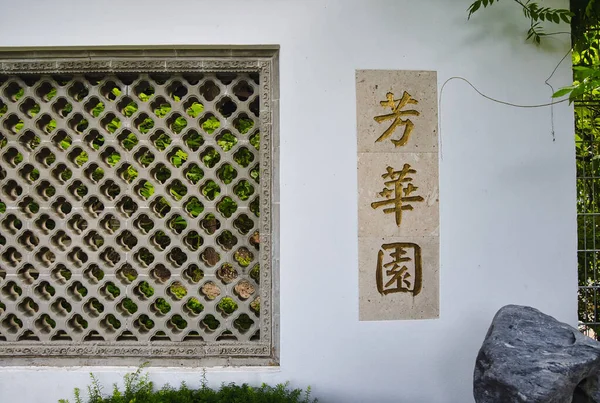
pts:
[396, 193]
[396, 106]
[403, 272]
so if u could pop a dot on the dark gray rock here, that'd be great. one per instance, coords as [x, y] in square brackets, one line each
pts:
[531, 357]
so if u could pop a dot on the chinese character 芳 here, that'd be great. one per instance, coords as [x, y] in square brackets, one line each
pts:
[396, 193]
[396, 116]
[400, 270]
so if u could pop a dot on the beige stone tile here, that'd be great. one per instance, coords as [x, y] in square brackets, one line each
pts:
[398, 302]
[422, 220]
[372, 87]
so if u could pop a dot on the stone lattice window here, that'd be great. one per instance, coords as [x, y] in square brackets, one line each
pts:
[135, 206]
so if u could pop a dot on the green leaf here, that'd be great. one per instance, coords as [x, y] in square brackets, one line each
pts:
[562, 92]
[474, 7]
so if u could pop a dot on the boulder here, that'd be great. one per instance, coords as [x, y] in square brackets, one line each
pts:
[531, 357]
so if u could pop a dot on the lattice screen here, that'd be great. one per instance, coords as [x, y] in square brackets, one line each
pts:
[130, 209]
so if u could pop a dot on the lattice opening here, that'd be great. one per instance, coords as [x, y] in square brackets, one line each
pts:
[128, 207]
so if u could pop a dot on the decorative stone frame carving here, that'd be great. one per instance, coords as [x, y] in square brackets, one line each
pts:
[261, 60]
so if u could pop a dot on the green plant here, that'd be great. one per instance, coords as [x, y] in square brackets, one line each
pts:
[139, 389]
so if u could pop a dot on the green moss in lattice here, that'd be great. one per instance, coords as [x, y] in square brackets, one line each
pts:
[114, 322]
[244, 125]
[255, 173]
[36, 109]
[211, 124]
[227, 305]
[211, 322]
[97, 174]
[129, 174]
[51, 94]
[243, 189]
[97, 305]
[179, 124]
[115, 92]
[145, 257]
[178, 158]
[19, 126]
[66, 143]
[65, 273]
[178, 223]
[193, 240]
[195, 306]
[130, 306]
[146, 321]
[243, 256]
[33, 207]
[227, 206]
[162, 306]
[162, 110]
[255, 273]
[243, 323]
[177, 189]
[226, 141]
[227, 173]
[226, 240]
[210, 157]
[255, 140]
[81, 290]
[193, 140]
[129, 141]
[146, 190]
[194, 273]
[34, 175]
[146, 289]
[146, 125]
[255, 305]
[19, 94]
[211, 190]
[129, 273]
[178, 290]
[113, 159]
[81, 158]
[243, 157]
[179, 322]
[98, 109]
[66, 175]
[113, 125]
[97, 273]
[194, 174]
[130, 109]
[112, 289]
[161, 173]
[195, 109]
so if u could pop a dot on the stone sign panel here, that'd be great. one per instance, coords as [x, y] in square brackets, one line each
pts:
[398, 194]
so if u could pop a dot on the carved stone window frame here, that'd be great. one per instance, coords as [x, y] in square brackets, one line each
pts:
[185, 59]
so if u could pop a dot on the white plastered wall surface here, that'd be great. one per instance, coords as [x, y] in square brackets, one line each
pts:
[507, 188]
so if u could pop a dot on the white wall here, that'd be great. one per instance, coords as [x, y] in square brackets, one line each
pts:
[508, 232]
